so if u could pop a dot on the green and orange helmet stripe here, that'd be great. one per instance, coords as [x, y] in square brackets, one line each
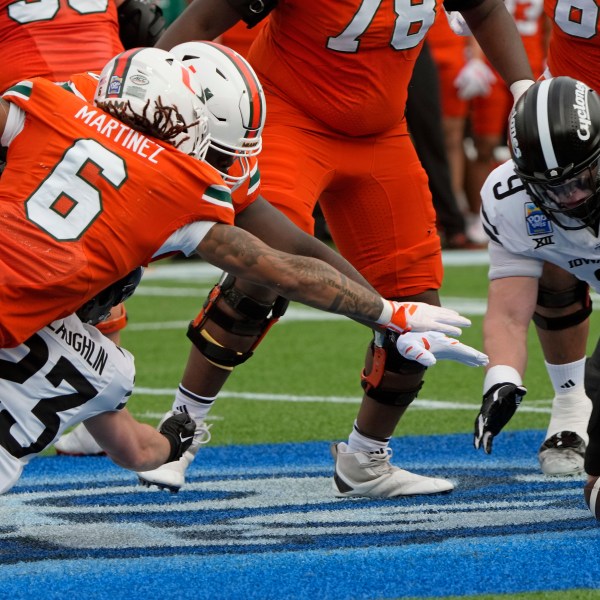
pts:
[116, 78]
[122, 64]
[253, 87]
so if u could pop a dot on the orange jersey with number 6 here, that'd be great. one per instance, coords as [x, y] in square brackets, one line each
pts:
[84, 200]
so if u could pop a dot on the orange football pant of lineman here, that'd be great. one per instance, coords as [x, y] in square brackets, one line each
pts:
[372, 190]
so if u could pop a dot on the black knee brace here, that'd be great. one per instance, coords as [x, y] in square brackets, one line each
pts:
[253, 319]
[388, 377]
[578, 294]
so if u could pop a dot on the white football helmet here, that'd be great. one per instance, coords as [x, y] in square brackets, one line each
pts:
[150, 90]
[234, 98]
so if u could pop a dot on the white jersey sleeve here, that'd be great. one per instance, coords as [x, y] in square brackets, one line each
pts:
[61, 376]
[504, 263]
[185, 239]
[523, 237]
[14, 125]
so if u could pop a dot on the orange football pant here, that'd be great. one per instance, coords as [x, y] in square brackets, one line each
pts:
[372, 190]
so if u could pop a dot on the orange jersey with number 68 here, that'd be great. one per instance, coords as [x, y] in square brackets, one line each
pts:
[575, 41]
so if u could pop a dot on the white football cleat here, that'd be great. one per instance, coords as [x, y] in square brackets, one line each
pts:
[591, 492]
[78, 442]
[171, 476]
[562, 454]
[371, 475]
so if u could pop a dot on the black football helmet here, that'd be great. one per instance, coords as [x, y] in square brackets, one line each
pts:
[554, 140]
[98, 309]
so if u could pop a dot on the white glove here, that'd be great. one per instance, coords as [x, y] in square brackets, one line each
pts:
[426, 348]
[474, 79]
[457, 23]
[518, 88]
[419, 316]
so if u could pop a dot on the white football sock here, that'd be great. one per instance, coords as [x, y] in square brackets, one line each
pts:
[359, 442]
[196, 406]
[571, 408]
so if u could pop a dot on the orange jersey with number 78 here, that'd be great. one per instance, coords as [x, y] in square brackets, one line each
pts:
[345, 63]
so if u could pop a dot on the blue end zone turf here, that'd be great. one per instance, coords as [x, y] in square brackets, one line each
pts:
[261, 522]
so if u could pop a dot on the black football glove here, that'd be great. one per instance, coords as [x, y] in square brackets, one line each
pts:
[499, 405]
[179, 430]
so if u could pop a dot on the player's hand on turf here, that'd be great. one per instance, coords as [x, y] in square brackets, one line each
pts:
[499, 405]
[419, 316]
[428, 347]
[179, 429]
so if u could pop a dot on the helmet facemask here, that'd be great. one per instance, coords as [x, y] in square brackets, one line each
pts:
[572, 202]
[554, 139]
[239, 154]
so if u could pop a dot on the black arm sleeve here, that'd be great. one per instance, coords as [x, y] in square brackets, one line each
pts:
[141, 23]
[252, 12]
[452, 5]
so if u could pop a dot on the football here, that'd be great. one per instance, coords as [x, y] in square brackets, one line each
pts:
[591, 493]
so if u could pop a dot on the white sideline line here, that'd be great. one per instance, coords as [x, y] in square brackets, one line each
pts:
[466, 306]
[423, 404]
[187, 292]
[194, 269]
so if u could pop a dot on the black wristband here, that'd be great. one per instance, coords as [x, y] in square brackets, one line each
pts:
[179, 430]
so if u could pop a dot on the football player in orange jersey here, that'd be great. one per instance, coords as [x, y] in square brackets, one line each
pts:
[574, 48]
[336, 77]
[87, 197]
[57, 38]
[232, 324]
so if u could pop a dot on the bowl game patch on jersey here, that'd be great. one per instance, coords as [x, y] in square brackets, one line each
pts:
[537, 222]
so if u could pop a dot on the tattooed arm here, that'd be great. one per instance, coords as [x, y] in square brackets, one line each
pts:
[299, 278]
[313, 282]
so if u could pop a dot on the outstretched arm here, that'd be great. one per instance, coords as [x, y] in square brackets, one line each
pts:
[138, 446]
[511, 301]
[317, 284]
[299, 278]
[271, 226]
